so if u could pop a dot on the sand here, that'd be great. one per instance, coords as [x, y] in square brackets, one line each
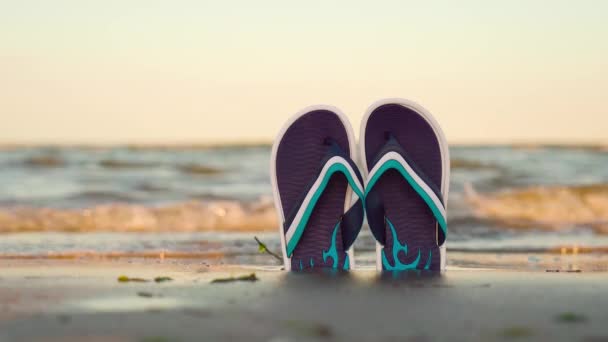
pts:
[82, 300]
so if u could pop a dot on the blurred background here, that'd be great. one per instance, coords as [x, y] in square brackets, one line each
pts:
[147, 125]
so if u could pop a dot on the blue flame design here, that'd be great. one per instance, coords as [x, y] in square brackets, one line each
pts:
[332, 252]
[398, 247]
[428, 261]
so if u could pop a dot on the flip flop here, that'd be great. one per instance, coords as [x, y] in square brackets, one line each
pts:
[313, 179]
[406, 163]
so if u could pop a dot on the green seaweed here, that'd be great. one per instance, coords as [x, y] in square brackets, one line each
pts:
[570, 317]
[162, 279]
[250, 277]
[125, 279]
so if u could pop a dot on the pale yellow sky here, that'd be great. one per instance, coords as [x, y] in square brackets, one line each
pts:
[149, 71]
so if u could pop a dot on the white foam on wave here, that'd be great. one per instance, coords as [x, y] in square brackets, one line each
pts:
[222, 215]
[539, 207]
[545, 207]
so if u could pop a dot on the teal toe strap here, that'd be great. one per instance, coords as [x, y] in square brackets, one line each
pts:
[394, 161]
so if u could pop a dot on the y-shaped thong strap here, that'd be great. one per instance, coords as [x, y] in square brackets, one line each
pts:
[392, 157]
[336, 161]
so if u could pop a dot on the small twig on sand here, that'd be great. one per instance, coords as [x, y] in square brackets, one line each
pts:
[263, 249]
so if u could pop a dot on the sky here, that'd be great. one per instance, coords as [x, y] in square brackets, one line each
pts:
[147, 71]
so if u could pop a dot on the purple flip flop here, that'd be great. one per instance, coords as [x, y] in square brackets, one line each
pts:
[314, 180]
[405, 160]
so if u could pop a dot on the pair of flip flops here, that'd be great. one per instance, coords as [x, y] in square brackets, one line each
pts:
[322, 198]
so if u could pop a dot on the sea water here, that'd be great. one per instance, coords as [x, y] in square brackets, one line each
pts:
[212, 201]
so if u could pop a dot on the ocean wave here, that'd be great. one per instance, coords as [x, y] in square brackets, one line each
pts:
[103, 196]
[544, 207]
[190, 169]
[466, 164]
[44, 161]
[187, 216]
[125, 164]
[151, 188]
[541, 146]
[195, 169]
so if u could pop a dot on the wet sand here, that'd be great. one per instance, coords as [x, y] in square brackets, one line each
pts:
[82, 300]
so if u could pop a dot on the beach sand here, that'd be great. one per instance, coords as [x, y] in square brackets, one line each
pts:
[82, 300]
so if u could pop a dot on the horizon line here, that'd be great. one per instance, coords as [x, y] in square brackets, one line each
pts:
[268, 143]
